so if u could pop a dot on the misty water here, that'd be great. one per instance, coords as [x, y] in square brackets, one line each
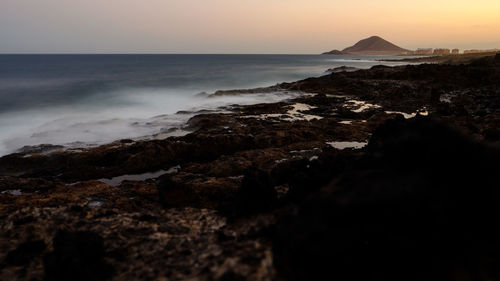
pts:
[84, 100]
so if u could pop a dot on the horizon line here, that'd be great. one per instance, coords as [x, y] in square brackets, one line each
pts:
[139, 53]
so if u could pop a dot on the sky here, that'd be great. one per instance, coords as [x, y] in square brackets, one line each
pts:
[242, 26]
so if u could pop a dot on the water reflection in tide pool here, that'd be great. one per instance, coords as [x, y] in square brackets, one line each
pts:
[116, 181]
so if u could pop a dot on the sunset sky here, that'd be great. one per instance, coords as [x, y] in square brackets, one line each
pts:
[242, 26]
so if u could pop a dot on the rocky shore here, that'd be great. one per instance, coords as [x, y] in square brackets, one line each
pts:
[390, 173]
[447, 59]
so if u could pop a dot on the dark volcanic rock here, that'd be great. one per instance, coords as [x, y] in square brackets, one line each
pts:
[27, 185]
[234, 196]
[231, 276]
[25, 252]
[306, 177]
[342, 69]
[77, 256]
[418, 203]
[256, 194]
[191, 190]
[175, 194]
[421, 205]
[42, 148]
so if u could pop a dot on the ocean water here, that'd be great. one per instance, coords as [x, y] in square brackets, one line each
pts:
[86, 100]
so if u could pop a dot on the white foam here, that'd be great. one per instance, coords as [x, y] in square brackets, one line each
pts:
[347, 144]
[409, 115]
[313, 158]
[135, 114]
[360, 106]
[294, 114]
[13, 192]
[95, 203]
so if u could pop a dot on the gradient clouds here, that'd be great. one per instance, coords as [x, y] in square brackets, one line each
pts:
[241, 26]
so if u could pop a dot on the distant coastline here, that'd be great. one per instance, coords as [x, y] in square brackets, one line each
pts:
[376, 45]
[448, 59]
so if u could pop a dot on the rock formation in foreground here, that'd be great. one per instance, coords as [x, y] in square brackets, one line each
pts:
[281, 191]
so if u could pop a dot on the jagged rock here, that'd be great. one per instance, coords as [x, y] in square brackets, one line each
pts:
[342, 69]
[256, 194]
[174, 194]
[77, 256]
[419, 205]
[25, 252]
[211, 216]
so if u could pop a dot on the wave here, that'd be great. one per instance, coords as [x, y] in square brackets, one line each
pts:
[79, 100]
[133, 114]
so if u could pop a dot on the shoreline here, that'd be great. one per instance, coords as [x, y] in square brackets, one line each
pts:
[238, 191]
[182, 117]
[447, 59]
[101, 109]
[178, 130]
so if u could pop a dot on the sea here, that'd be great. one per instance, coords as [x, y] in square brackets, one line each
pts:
[79, 101]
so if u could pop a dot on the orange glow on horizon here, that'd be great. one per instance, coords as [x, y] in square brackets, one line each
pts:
[245, 26]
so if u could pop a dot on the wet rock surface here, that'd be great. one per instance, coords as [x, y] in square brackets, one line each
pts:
[262, 192]
[417, 206]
